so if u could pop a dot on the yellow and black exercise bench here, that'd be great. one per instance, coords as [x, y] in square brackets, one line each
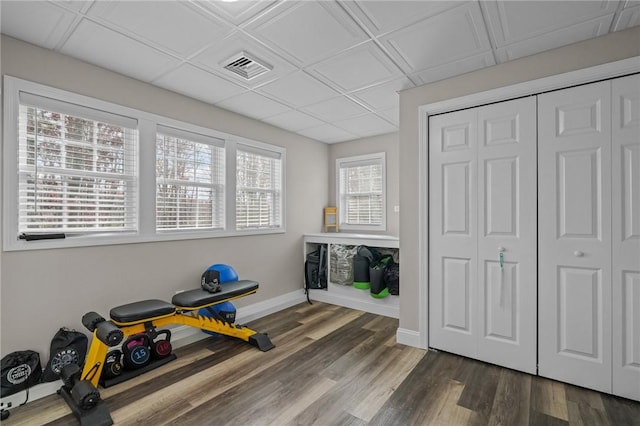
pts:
[80, 387]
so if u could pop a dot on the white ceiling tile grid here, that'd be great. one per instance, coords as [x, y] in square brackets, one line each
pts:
[307, 31]
[334, 67]
[175, 26]
[361, 66]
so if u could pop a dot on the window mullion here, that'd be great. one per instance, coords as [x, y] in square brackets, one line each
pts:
[145, 188]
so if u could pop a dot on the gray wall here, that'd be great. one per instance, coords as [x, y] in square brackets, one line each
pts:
[384, 143]
[42, 290]
[609, 48]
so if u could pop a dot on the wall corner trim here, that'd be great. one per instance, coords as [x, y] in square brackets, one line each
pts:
[408, 337]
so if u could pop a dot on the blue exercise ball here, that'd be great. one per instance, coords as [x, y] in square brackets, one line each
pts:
[227, 273]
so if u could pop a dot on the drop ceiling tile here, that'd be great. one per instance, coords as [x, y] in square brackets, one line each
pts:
[253, 105]
[452, 35]
[392, 114]
[366, 125]
[362, 66]
[383, 16]
[383, 95]
[629, 17]
[298, 89]
[217, 55]
[293, 120]
[327, 133]
[98, 45]
[514, 21]
[335, 109]
[555, 39]
[198, 84]
[37, 22]
[307, 31]
[172, 25]
[453, 69]
[236, 12]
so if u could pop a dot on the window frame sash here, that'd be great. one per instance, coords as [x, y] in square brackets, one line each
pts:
[277, 209]
[342, 165]
[66, 174]
[215, 187]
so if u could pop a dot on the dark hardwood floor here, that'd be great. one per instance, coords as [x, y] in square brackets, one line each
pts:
[336, 366]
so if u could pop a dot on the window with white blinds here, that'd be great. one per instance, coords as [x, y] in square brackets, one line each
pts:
[190, 180]
[258, 188]
[77, 169]
[361, 192]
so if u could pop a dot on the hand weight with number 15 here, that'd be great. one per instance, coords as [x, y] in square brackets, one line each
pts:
[136, 351]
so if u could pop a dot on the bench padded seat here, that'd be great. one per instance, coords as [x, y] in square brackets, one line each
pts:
[195, 299]
[138, 311]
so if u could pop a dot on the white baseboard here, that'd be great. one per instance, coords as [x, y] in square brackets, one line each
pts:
[180, 336]
[35, 392]
[409, 337]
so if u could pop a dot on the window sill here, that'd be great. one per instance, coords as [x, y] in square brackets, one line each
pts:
[360, 228]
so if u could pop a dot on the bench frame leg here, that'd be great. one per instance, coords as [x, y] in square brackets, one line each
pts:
[98, 350]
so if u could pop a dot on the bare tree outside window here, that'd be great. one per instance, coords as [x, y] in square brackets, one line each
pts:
[258, 191]
[190, 184]
[76, 174]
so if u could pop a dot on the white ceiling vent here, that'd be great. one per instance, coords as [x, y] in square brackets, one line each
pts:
[246, 66]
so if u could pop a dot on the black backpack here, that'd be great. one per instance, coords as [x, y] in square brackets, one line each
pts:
[315, 270]
[67, 347]
[20, 371]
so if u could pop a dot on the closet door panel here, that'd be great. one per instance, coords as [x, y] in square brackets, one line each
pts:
[452, 232]
[507, 227]
[626, 236]
[574, 240]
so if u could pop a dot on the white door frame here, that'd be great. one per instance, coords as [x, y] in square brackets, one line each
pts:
[587, 75]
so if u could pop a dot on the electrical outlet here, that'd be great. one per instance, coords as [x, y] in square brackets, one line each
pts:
[396, 209]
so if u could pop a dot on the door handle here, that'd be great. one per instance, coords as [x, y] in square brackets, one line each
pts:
[578, 253]
[501, 251]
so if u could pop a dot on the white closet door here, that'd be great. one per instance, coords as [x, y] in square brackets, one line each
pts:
[507, 224]
[481, 199]
[452, 232]
[574, 217]
[626, 236]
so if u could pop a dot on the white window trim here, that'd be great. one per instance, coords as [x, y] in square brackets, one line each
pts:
[366, 157]
[282, 155]
[201, 139]
[147, 125]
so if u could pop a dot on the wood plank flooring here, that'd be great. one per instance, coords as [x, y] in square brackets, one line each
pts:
[336, 366]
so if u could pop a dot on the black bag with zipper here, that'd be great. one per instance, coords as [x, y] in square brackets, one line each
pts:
[315, 270]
